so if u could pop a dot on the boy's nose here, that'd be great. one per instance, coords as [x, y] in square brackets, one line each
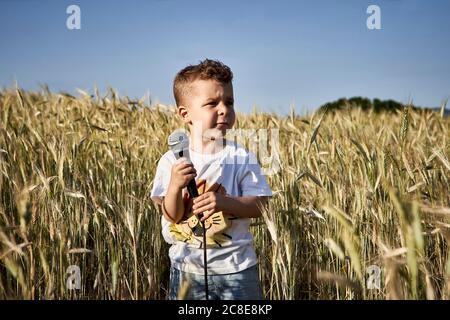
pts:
[222, 108]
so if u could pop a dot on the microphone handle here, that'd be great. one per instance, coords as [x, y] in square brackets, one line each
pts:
[192, 186]
[192, 189]
[193, 192]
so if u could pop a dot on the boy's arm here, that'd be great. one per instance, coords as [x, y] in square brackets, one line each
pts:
[172, 205]
[246, 207]
[243, 207]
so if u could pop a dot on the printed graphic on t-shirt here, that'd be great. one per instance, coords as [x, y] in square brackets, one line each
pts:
[190, 229]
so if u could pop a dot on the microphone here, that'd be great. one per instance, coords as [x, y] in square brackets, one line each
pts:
[179, 144]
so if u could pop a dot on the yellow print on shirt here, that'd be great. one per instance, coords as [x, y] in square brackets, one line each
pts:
[190, 229]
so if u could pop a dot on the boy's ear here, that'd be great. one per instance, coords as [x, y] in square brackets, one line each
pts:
[183, 113]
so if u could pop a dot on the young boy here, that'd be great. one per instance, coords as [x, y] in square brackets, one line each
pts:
[232, 189]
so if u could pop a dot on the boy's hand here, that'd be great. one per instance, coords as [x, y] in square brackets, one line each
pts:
[209, 203]
[182, 173]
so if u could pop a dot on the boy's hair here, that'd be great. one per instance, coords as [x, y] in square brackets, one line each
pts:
[205, 70]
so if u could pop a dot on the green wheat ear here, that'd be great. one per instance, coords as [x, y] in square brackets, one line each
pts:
[405, 124]
[443, 106]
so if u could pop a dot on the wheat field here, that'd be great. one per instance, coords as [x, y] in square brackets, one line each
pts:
[361, 205]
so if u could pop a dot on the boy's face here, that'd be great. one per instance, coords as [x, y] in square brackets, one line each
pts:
[209, 108]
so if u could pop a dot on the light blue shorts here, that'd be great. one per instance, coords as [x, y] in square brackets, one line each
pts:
[243, 285]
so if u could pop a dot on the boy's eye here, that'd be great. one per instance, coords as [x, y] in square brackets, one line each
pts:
[212, 104]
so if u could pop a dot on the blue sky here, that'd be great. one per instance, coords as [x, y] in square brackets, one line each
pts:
[282, 53]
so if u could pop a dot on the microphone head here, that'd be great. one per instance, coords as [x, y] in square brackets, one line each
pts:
[179, 144]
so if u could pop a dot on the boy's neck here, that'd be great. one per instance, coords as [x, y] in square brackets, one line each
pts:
[207, 146]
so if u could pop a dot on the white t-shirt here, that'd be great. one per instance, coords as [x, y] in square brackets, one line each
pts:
[233, 171]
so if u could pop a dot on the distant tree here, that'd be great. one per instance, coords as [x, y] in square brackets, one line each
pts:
[366, 104]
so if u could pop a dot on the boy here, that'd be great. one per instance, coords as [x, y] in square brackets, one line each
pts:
[232, 189]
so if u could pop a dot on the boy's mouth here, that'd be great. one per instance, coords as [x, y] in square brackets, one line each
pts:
[221, 124]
